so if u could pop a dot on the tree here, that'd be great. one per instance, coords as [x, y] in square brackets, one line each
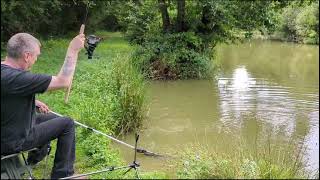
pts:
[219, 19]
[181, 15]
[179, 44]
[165, 15]
[55, 17]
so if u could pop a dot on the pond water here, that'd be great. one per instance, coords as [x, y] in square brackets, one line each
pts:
[266, 91]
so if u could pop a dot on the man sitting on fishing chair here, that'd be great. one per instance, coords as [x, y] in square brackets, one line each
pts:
[21, 127]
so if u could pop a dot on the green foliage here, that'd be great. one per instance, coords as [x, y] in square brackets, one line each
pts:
[213, 21]
[153, 175]
[57, 17]
[19, 16]
[93, 153]
[200, 163]
[300, 23]
[116, 100]
[95, 147]
[249, 169]
[107, 15]
[307, 24]
[126, 89]
[186, 52]
[144, 175]
[197, 163]
[173, 56]
[288, 23]
[37, 17]
[140, 20]
[221, 21]
[107, 94]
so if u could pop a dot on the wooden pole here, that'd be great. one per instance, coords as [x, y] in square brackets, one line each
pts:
[66, 97]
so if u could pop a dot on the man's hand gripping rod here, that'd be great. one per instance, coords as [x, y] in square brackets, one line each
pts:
[66, 97]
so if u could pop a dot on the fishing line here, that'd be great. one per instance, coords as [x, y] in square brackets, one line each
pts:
[139, 150]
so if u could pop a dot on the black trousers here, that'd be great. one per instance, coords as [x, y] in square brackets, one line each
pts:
[48, 127]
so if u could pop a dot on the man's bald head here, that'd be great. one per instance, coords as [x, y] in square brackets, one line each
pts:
[21, 43]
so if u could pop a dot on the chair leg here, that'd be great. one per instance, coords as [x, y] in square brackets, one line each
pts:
[27, 166]
[12, 166]
[9, 169]
[46, 163]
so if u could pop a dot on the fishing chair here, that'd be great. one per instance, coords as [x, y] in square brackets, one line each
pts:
[15, 166]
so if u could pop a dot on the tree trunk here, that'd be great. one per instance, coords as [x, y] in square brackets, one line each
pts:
[165, 15]
[181, 15]
[203, 28]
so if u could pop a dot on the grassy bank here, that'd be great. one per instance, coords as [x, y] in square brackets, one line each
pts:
[107, 94]
[266, 160]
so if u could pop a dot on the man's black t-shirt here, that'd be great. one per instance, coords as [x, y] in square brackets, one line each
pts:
[18, 89]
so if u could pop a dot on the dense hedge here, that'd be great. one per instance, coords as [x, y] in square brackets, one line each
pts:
[56, 17]
[300, 23]
[174, 56]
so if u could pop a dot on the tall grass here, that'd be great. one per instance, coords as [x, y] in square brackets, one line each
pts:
[107, 94]
[270, 162]
[127, 92]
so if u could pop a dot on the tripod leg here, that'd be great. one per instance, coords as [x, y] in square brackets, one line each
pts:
[127, 171]
[137, 173]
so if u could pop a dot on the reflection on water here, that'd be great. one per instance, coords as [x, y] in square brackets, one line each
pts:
[278, 83]
[235, 94]
[273, 104]
[264, 88]
[243, 94]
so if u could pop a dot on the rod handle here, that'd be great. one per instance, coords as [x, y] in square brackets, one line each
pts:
[66, 97]
[82, 29]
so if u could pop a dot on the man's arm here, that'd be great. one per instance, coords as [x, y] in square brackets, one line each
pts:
[64, 77]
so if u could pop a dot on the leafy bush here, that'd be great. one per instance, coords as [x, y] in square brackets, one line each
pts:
[307, 24]
[177, 38]
[173, 56]
[58, 17]
[288, 22]
[301, 23]
[140, 21]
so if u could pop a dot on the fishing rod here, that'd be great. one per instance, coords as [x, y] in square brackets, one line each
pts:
[68, 90]
[90, 44]
[139, 150]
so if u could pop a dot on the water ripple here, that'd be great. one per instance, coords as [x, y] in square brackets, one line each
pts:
[274, 104]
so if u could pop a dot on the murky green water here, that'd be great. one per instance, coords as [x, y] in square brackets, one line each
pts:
[265, 89]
